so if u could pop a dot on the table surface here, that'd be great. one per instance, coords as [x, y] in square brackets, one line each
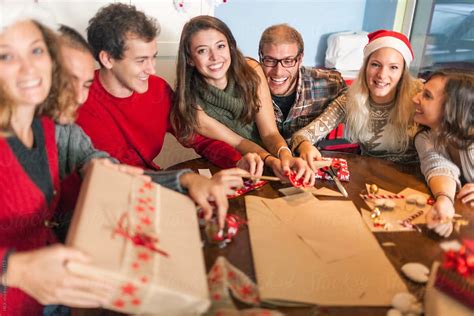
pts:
[409, 246]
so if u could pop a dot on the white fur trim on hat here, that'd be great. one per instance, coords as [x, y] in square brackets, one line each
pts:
[392, 42]
[13, 12]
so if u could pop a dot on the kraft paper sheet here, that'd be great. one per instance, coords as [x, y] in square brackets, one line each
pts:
[288, 269]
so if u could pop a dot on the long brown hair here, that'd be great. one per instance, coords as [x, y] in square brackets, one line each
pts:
[457, 125]
[189, 80]
[60, 100]
[6, 111]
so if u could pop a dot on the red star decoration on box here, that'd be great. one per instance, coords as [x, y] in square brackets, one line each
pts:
[129, 289]
[143, 256]
[145, 220]
[119, 303]
[136, 301]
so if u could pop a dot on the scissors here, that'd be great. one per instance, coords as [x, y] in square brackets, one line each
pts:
[332, 172]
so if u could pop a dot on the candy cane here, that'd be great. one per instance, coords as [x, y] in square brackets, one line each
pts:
[382, 196]
[407, 222]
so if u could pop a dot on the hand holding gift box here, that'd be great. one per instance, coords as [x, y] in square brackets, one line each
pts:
[143, 237]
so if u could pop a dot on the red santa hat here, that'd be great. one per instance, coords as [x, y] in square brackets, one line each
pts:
[384, 38]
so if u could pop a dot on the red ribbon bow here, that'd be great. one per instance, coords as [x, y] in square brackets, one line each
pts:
[462, 261]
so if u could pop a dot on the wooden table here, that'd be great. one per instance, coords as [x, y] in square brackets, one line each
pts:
[409, 246]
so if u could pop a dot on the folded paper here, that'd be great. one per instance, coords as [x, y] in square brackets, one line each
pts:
[289, 270]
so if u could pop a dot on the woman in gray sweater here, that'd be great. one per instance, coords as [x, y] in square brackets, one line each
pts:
[446, 145]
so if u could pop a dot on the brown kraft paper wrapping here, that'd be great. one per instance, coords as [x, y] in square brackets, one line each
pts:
[145, 238]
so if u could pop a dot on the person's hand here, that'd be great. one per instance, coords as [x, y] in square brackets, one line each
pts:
[252, 163]
[131, 170]
[466, 195]
[231, 179]
[309, 153]
[298, 165]
[439, 217]
[42, 274]
[205, 191]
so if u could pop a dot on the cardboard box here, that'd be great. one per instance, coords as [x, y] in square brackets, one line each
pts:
[144, 237]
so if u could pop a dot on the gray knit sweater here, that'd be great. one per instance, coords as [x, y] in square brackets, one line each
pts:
[438, 162]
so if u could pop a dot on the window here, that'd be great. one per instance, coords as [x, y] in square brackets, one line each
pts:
[449, 37]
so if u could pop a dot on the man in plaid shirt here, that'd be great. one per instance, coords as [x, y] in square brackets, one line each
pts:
[299, 93]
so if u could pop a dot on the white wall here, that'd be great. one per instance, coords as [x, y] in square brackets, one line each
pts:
[77, 13]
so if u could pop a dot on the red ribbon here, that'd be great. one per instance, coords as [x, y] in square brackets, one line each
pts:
[138, 239]
[462, 261]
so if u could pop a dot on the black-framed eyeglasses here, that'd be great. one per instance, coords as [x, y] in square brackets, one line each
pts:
[285, 62]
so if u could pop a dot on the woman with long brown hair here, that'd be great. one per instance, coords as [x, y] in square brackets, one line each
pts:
[222, 95]
[446, 145]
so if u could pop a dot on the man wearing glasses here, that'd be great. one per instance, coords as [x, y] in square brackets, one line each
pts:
[299, 93]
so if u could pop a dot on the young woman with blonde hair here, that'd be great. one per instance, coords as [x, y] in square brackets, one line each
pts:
[379, 110]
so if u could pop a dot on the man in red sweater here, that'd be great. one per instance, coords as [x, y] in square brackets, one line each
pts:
[127, 111]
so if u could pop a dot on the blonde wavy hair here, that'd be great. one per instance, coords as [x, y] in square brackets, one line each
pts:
[400, 122]
[60, 101]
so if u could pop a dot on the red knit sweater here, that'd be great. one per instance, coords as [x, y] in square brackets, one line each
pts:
[23, 210]
[133, 129]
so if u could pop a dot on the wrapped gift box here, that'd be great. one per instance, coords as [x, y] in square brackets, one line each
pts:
[143, 237]
[455, 276]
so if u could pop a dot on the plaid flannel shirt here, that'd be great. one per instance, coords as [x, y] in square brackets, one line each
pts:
[316, 89]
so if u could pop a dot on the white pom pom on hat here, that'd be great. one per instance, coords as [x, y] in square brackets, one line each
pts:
[384, 38]
[13, 12]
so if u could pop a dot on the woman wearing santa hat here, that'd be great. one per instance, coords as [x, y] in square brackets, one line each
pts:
[378, 110]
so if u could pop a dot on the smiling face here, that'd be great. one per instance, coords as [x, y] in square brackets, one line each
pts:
[281, 81]
[81, 65]
[382, 74]
[25, 64]
[429, 103]
[130, 73]
[210, 54]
